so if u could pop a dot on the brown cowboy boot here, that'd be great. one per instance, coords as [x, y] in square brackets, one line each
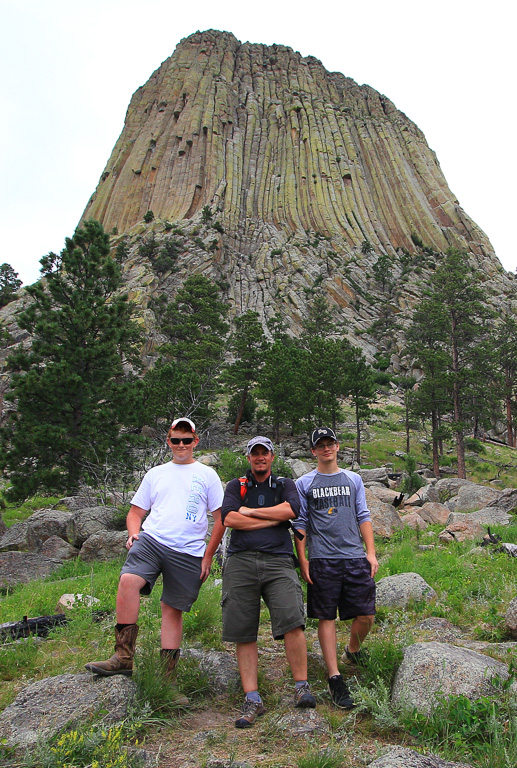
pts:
[169, 658]
[121, 663]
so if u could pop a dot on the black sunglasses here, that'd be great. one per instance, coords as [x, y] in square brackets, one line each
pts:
[184, 440]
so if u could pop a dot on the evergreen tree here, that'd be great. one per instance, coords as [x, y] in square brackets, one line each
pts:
[69, 385]
[359, 385]
[505, 347]
[454, 319]
[248, 345]
[9, 284]
[185, 380]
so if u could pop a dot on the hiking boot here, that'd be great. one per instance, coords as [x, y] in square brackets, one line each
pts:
[250, 711]
[359, 658]
[303, 696]
[339, 692]
[169, 658]
[121, 663]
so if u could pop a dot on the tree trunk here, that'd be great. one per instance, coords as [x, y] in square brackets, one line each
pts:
[241, 410]
[509, 419]
[358, 434]
[435, 423]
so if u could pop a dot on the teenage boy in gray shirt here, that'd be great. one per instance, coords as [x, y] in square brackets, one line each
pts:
[339, 573]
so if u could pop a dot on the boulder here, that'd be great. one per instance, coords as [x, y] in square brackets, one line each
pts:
[43, 708]
[104, 545]
[414, 520]
[49, 522]
[433, 668]
[58, 549]
[472, 497]
[86, 522]
[403, 757]
[385, 518]
[219, 665]
[398, 590]
[437, 628]
[485, 516]
[467, 530]
[300, 467]
[209, 459]
[428, 493]
[20, 537]
[507, 500]
[387, 495]
[510, 618]
[379, 475]
[448, 487]
[434, 513]
[22, 567]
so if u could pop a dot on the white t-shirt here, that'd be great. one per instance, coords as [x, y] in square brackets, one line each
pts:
[179, 497]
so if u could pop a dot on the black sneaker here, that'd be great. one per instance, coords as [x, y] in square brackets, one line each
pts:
[339, 692]
[303, 696]
[250, 711]
[359, 658]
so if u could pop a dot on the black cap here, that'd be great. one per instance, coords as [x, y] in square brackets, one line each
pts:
[321, 432]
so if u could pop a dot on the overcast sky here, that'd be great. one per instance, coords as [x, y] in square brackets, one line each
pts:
[69, 70]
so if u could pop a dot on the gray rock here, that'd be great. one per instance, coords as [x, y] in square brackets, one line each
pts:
[209, 459]
[414, 521]
[485, 516]
[20, 537]
[403, 757]
[22, 567]
[429, 493]
[299, 467]
[466, 530]
[434, 513]
[431, 668]
[86, 522]
[507, 500]
[472, 497]
[436, 627]
[387, 495]
[398, 590]
[510, 617]
[104, 545]
[219, 665]
[385, 518]
[510, 549]
[448, 487]
[49, 522]
[306, 721]
[379, 475]
[40, 710]
[58, 549]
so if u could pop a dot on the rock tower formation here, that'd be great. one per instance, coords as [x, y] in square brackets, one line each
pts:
[311, 179]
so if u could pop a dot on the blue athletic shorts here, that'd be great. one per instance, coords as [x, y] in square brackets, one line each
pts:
[346, 585]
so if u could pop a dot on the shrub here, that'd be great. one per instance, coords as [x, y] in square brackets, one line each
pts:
[148, 217]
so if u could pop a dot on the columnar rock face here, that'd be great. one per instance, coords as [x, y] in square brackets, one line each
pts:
[309, 177]
[276, 139]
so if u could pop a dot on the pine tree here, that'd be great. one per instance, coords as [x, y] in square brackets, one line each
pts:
[248, 345]
[69, 384]
[454, 321]
[359, 385]
[9, 284]
[505, 347]
[186, 378]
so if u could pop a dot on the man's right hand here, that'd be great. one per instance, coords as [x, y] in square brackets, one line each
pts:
[129, 542]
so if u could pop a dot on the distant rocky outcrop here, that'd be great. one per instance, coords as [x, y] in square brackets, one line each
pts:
[276, 178]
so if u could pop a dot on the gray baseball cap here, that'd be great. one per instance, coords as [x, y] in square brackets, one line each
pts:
[265, 441]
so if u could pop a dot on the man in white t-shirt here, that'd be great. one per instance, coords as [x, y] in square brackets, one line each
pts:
[171, 542]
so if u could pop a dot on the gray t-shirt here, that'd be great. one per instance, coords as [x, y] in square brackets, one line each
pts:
[332, 507]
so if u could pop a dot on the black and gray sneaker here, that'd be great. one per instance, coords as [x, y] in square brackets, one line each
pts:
[303, 696]
[339, 692]
[250, 711]
[359, 658]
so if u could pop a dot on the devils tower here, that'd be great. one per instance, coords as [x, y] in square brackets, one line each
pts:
[310, 176]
